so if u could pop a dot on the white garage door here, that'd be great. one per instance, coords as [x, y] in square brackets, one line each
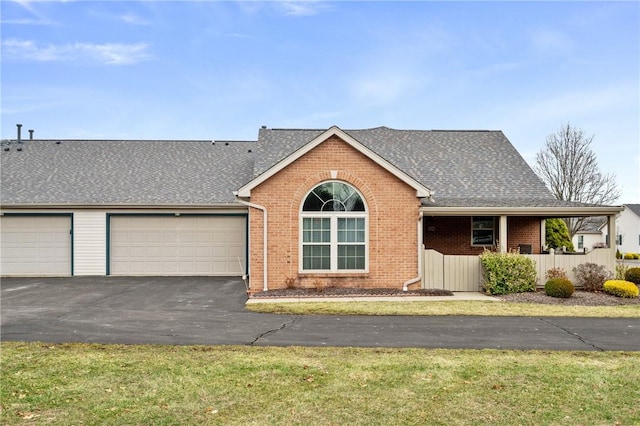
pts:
[35, 245]
[177, 245]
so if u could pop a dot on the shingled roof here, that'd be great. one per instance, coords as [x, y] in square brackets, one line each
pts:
[463, 168]
[108, 172]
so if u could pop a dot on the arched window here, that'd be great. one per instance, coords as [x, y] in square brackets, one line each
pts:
[334, 229]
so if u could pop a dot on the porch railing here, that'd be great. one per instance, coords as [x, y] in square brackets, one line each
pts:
[464, 273]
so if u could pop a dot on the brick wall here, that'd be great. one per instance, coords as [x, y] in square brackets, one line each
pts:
[393, 213]
[452, 234]
[524, 230]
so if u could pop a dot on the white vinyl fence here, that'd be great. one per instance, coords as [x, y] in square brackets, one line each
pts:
[464, 273]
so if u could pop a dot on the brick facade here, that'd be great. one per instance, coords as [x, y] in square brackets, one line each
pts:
[451, 235]
[392, 208]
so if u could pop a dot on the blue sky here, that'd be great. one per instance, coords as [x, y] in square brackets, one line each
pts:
[220, 70]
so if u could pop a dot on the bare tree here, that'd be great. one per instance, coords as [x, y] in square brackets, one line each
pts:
[569, 167]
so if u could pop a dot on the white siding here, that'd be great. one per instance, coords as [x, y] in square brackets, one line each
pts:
[590, 240]
[90, 242]
[628, 225]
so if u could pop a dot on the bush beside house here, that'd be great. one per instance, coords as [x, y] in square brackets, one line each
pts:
[505, 273]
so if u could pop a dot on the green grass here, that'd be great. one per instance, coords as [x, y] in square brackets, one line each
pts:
[445, 308]
[73, 384]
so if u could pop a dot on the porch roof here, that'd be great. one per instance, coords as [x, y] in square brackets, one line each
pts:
[513, 206]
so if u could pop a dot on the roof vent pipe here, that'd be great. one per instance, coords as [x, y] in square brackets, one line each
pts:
[30, 134]
[19, 126]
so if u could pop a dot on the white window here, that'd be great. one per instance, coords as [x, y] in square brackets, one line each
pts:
[483, 231]
[580, 241]
[333, 229]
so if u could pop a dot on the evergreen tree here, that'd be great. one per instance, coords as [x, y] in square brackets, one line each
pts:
[557, 235]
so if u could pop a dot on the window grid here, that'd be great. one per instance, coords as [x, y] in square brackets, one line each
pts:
[333, 229]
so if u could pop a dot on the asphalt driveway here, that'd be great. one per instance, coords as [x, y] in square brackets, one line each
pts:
[210, 311]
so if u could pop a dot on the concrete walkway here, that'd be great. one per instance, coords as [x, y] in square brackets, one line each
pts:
[457, 296]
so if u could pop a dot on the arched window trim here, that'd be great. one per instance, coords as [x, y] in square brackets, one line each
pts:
[334, 241]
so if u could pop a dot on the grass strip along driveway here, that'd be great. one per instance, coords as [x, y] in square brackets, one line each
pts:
[187, 385]
[446, 308]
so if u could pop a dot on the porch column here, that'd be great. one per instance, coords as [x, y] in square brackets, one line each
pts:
[503, 234]
[611, 230]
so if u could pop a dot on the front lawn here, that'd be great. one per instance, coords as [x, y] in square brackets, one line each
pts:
[73, 384]
[463, 307]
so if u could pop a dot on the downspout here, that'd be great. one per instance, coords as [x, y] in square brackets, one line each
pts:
[405, 286]
[265, 286]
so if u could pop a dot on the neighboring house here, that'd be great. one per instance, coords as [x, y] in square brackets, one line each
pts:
[591, 235]
[336, 207]
[627, 239]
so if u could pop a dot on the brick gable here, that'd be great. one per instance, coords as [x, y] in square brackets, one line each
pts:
[392, 207]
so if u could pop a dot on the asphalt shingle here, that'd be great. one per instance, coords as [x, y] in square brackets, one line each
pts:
[463, 168]
[123, 172]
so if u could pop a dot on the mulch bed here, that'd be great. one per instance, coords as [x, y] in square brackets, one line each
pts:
[580, 298]
[349, 292]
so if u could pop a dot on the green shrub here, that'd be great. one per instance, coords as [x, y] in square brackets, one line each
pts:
[590, 276]
[621, 288]
[618, 254]
[633, 275]
[629, 256]
[621, 271]
[506, 273]
[559, 287]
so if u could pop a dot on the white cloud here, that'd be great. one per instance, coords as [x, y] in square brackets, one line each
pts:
[302, 8]
[133, 19]
[106, 53]
[288, 7]
[551, 41]
[35, 17]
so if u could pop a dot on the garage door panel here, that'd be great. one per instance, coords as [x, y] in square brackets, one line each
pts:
[177, 245]
[37, 245]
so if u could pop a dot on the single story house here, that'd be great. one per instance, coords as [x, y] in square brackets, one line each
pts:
[595, 232]
[327, 206]
[590, 236]
[627, 228]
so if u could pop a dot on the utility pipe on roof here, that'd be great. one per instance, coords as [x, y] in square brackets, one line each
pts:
[265, 285]
[405, 286]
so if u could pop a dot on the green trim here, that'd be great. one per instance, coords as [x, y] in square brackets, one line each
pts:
[177, 214]
[69, 215]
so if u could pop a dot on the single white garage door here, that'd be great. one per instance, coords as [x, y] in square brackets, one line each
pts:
[35, 245]
[177, 245]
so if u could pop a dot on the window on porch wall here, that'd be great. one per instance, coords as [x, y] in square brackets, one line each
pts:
[483, 231]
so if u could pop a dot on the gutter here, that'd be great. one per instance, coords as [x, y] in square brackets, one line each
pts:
[522, 211]
[265, 286]
[405, 286]
[89, 206]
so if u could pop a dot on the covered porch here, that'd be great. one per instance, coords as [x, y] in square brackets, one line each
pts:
[454, 237]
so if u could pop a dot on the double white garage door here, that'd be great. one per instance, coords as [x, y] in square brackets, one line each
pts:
[40, 245]
[177, 245]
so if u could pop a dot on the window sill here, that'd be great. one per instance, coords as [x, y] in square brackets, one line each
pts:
[339, 274]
